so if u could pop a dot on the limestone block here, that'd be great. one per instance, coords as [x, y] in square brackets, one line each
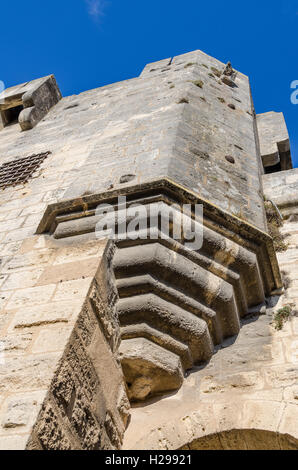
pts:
[274, 138]
[262, 415]
[68, 272]
[288, 424]
[241, 381]
[50, 313]
[31, 372]
[19, 234]
[4, 297]
[12, 343]
[50, 340]
[72, 290]
[77, 252]
[15, 442]
[21, 410]
[149, 369]
[31, 296]
[24, 261]
[21, 279]
[86, 405]
[291, 348]
[291, 394]
[281, 376]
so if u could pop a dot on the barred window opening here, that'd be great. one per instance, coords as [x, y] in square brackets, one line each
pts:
[20, 170]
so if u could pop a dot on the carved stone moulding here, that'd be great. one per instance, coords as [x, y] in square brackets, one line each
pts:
[175, 304]
[29, 102]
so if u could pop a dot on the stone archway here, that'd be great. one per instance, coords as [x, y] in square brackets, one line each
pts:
[244, 439]
[241, 425]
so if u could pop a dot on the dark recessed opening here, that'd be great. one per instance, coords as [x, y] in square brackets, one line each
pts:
[11, 115]
[273, 168]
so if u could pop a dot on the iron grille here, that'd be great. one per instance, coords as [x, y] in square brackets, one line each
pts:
[20, 170]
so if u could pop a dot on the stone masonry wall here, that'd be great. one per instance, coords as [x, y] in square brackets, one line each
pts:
[177, 120]
[59, 369]
[246, 397]
[282, 188]
[165, 123]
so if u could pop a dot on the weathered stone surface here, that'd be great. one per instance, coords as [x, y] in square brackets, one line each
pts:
[74, 308]
[250, 385]
[218, 410]
[59, 345]
[274, 140]
[19, 409]
[282, 189]
[34, 99]
[165, 293]
[86, 407]
[149, 369]
[14, 442]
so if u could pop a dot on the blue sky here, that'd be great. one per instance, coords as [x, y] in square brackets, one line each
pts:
[90, 43]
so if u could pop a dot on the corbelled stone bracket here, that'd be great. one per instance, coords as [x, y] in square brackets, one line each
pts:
[29, 102]
[175, 304]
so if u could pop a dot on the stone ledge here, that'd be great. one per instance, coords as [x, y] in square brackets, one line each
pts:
[222, 222]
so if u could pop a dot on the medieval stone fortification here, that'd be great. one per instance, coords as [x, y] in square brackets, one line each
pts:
[142, 343]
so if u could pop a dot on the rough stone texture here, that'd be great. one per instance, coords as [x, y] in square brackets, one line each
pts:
[186, 301]
[274, 140]
[245, 398]
[31, 101]
[282, 189]
[61, 385]
[185, 131]
[140, 129]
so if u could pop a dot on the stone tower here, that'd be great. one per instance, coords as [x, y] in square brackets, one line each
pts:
[139, 342]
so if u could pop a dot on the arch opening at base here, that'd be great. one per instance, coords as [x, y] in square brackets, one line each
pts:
[243, 439]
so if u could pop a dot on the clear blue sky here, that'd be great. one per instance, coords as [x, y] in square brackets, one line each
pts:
[87, 44]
